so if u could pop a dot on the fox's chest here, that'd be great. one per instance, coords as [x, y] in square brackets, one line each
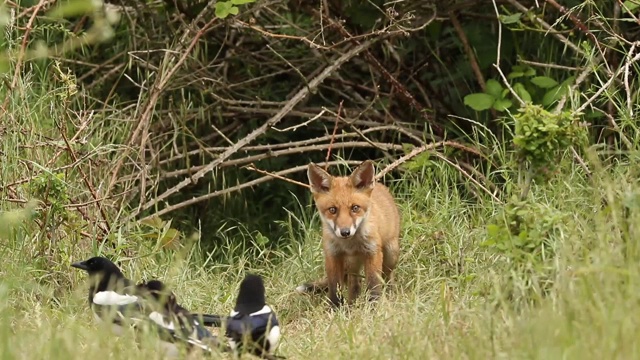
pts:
[356, 245]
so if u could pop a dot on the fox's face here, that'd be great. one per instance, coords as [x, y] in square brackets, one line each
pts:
[343, 202]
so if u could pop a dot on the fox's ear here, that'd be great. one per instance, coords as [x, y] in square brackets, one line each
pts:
[363, 177]
[319, 179]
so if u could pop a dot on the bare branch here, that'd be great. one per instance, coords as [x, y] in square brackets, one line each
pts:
[262, 129]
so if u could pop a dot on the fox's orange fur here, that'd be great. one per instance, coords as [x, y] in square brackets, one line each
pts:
[360, 228]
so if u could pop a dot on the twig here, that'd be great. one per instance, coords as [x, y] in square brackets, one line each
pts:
[499, 48]
[629, 12]
[312, 44]
[86, 181]
[579, 80]
[83, 126]
[415, 152]
[87, 203]
[58, 169]
[468, 176]
[419, 150]
[472, 56]
[333, 135]
[548, 27]
[606, 85]
[581, 161]
[276, 176]
[23, 46]
[549, 66]
[292, 144]
[290, 151]
[615, 126]
[214, 194]
[297, 126]
[436, 128]
[467, 48]
[626, 83]
[161, 83]
[506, 83]
[576, 21]
[262, 129]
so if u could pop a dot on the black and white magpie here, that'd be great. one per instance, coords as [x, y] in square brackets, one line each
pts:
[177, 321]
[253, 325]
[111, 294]
[116, 299]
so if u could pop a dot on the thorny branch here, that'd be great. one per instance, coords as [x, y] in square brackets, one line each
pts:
[346, 113]
[262, 129]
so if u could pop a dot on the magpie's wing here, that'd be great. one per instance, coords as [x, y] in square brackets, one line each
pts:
[241, 325]
[183, 328]
[117, 307]
[261, 330]
[211, 320]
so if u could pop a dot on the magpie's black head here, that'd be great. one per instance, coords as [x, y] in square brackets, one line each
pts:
[156, 286]
[97, 265]
[158, 291]
[251, 295]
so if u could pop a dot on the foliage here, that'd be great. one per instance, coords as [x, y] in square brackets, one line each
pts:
[541, 137]
[154, 133]
[52, 189]
[226, 8]
[526, 85]
[526, 231]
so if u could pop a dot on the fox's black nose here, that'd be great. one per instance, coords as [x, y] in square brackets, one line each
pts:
[345, 232]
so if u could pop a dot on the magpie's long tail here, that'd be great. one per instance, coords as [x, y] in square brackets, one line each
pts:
[211, 320]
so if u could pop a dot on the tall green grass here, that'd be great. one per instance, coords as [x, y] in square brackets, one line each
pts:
[457, 297]
[450, 302]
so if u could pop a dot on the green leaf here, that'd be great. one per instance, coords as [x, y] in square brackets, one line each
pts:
[515, 75]
[493, 231]
[510, 19]
[233, 10]
[479, 101]
[522, 92]
[570, 80]
[242, 2]
[223, 9]
[72, 8]
[544, 82]
[631, 5]
[530, 71]
[494, 88]
[502, 104]
[553, 95]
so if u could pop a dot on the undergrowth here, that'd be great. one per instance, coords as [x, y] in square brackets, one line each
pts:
[540, 263]
[470, 286]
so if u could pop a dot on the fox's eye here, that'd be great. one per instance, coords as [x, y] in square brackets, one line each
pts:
[355, 208]
[333, 210]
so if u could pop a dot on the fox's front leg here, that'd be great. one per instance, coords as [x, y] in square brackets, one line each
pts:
[334, 267]
[352, 270]
[373, 273]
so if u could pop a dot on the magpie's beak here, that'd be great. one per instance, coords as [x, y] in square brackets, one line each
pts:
[80, 265]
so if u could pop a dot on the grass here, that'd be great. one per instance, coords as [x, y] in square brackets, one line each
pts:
[457, 298]
[448, 304]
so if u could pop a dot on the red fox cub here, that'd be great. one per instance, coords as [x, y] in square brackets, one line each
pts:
[361, 226]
